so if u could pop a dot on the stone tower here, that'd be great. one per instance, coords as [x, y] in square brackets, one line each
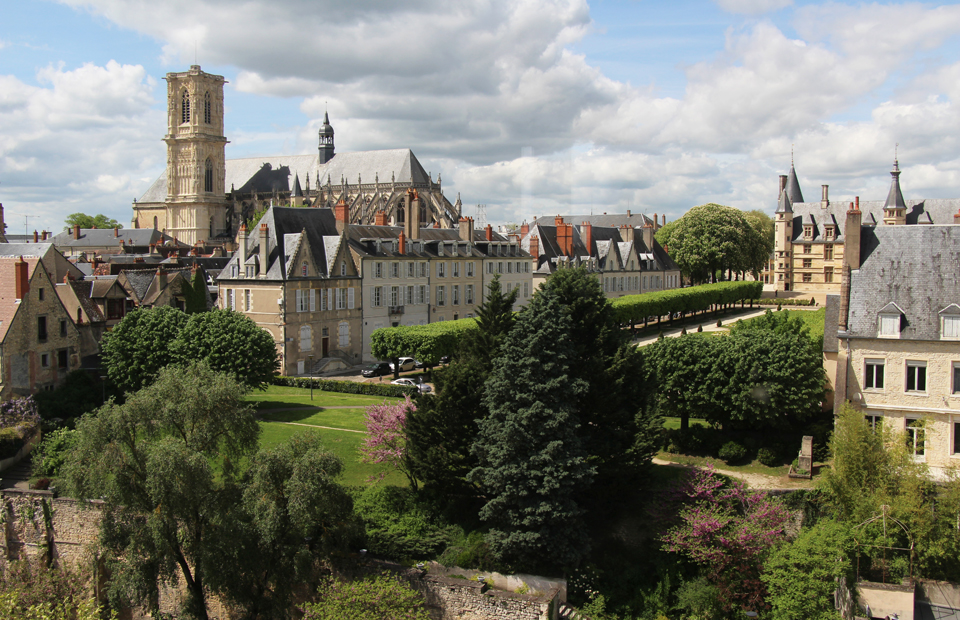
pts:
[326, 141]
[196, 204]
[783, 240]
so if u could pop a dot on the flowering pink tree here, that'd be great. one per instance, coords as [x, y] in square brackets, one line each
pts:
[729, 530]
[386, 437]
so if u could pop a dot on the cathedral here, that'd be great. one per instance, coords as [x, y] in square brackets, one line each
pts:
[203, 198]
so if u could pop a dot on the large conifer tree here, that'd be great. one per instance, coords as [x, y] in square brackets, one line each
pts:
[532, 464]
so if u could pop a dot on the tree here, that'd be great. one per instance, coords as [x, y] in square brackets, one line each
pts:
[165, 463]
[532, 464]
[229, 342]
[386, 440]
[196, 296]
[801, 576]
[440, 432]
[688, 379]
[731, 531]
[371, 598]
[712, 238]
[90, 221]
[135, 350]
[764, 225]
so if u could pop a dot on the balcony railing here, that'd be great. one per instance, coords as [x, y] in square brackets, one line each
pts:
[395, 309]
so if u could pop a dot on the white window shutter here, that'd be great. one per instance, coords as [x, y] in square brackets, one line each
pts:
[313, 300]
[350, 301]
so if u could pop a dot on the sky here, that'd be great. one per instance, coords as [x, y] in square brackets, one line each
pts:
[529, 107]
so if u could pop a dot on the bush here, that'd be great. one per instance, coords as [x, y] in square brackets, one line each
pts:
[768, 457]
[719, 323]
[348, 387]
[78, 394]
[50, 455]
[398, 527]
[732, 452]
[695, 441]
[470, 551]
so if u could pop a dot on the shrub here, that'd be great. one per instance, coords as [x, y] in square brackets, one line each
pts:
[719, 323]
[732, 452]
[50, 455]
[699, 328]
[398, 527]
[768, 457]
[348, 387]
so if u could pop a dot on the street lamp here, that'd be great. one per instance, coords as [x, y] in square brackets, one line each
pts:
[310, 358]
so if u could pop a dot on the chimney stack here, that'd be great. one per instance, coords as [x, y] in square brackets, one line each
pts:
[36, 237]
[44, 235]
[524, 228]
[851, 246]
[565, 237]
[380, 218]
[489, 232]
[558, 220]
[956, 217]
[783, 185]
[663, 218]
[76, 231]
[3, 226]
[656, 221]
[535, 250]
[647, 232]
[402, 243]
[466, 229]
[242, 237]
[627, 232]
[22, 275]
[264, 253]
[116, 231]
[341, 211]
[825, 196]
[586, 232]
[161, 278]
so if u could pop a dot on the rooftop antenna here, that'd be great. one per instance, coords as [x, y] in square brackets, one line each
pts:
[482, 216]
[791, 156]
[26, 224]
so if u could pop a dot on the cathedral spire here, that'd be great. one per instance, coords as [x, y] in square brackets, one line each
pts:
[895, 196]
[326, 140]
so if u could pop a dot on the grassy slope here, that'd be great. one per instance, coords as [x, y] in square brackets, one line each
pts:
[280, 397]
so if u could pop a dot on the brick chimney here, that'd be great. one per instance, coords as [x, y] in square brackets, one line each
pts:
[851, 232]
[783, 185]
[558, 220]
[76, 231]
[656, 222]
[824, 196]
[956, 217]
[647, 232]
[242, 238]
[36, 237]
[44, 235]
[116, 231]
[161, 279]
[586, 235]
[466, 229]
[22, 275]
[380, 218]
[524, 228]
[627, 232]
[489, 230]
[535, 250]
[264, 233]
[402, 242]
[342, 212]
[565, 237]
[3, 226]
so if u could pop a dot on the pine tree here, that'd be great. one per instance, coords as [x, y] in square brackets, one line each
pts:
[532, 465]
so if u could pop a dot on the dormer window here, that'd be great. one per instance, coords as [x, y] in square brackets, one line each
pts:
[808, 231]
[950, 322]
[889, 326]
[829, 232]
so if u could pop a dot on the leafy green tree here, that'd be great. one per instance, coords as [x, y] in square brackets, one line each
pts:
[688, 379]
[90, 221]
[196, 296]
[371, 598]
[229, 342]
[165, 463]
[801, 576]
[764, 225]
[441, 431]
[712, 238]
[532, 463]
[135, 350]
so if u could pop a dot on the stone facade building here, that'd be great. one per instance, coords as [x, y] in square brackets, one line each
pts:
[811, 236]
[203, 196]
[895, 334]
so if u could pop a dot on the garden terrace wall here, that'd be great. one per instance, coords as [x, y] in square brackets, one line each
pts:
[633, 309]
[348, 387]
[460, 598]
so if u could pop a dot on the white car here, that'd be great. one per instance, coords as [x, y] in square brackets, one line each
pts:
[423, 387]
[406, 363]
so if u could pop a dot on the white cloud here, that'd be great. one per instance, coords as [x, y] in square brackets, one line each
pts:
[77, 141]
[753, 7]
[4, 44]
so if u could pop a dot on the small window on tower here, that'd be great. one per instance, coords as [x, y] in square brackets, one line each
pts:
[184, 106]
[208, 176]
[206, 108]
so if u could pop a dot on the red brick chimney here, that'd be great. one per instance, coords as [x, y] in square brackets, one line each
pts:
[116, 231]
[36, 237]
[342, 212]
[558, 220]
[565, 237]
[380, 218]
[524, 228]
[44, 235]
[402, 242]
[586, 231]
[264, 252]
[76, 231]
[21, 272]
[535, 250]
[489, 232]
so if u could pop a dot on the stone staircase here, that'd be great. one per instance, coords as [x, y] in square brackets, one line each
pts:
[567, 612]
[17, 476]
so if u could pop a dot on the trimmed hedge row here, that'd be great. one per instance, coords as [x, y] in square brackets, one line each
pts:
[348, 387]
[775, 301]
[426, 343]
[636, 308]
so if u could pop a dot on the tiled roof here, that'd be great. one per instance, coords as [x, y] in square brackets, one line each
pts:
[105, 237]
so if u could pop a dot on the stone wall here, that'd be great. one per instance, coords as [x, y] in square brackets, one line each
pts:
[36, 523]
[461, 599]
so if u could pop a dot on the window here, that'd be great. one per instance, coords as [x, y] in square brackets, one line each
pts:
[394, 295]
[206, 109]
[303, 300]
[378, 270]
[422, 294]
[341, 299]
[873, 374]
[828, 274]
[874, 421]
[306, 339]
[247, 300]
[343, 333]
[62, 360]
[208, 176]
[470, 269]
[469, 298]
[63, 328]
[441, 269]
[828, 252]
[916, 376]
[509, 267]
[456, 270]
[410, 269]
[526, 289]
[806, 249]
[956, 378]
[499, 267]
[45, 360]
[951, 326]
[230, 301]
[343, 268]
[828, 232]
[441, 291]
[890, 325]
[915, 437]
[394, 270]
[456, 294]
[422, 270]
[489, 267]
[42, 328]
[184, 106]
[40, 294]
[807, 277]
[409, 298]
[807, 263]
[377, 296]
[808, 234]
[250, 271]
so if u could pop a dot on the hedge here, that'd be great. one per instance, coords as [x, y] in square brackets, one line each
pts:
[348, 387]
[776, 301]
[636, 308]
[425, 343]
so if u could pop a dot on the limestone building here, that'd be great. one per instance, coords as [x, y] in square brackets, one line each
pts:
[811, 236]
[202, 196]
[894, 333]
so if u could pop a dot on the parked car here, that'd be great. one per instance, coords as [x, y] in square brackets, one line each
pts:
[378, 369]
[406, 363]
[423, 387]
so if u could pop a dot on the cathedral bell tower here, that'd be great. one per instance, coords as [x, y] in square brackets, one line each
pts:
[326, 140]
[196, 165]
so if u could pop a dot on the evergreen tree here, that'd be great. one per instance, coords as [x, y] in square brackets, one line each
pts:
[196, 297]
[442, 429]
[532, 464]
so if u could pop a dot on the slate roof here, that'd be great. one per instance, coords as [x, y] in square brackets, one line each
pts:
[613, 220]
[915, 267]
[82, 289]
[104, 237]
[605, 240]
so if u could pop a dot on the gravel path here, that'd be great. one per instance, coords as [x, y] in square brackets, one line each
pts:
[754, 481]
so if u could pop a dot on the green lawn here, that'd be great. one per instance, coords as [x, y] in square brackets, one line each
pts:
[281, 397]
[672, 423]
[812, 318]
[337, 418]
[342, 443]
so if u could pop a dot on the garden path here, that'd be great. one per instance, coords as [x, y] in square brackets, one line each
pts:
[754, 481]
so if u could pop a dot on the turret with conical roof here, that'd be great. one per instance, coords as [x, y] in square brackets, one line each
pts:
[793, 185]
[895, 209]
[326, 140]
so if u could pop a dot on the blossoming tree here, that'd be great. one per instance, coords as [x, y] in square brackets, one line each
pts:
[386, 437]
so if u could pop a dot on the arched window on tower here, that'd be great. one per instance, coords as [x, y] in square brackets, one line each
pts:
[184, 106]
[208, 176]
[206, 108]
